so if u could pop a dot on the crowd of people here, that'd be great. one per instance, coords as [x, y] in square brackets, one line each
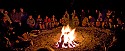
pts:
[15, 25]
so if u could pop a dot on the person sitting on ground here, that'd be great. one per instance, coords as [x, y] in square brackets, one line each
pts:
[54, 21]
[47, 22]
[85, 21]
[75, 21]
[91, 21]
[39, 23]
[98, 24]
[7, 16]
[31, 22]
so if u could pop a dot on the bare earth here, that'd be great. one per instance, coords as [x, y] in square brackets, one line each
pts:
[88, 38]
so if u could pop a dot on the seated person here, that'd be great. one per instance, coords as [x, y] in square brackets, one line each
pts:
[75, 21]
[47, 22]
[98, 24]
[31, 23]
[39, 23]
[91, 21]
[85, 21]
[54, 21]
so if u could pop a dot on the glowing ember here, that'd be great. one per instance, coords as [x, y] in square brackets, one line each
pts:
[67, 38]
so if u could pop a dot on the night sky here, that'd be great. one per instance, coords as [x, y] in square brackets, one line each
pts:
[59, 6]
[59, 3]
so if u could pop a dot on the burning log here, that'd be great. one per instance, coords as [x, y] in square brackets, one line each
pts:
[61, 43]
[67, 38]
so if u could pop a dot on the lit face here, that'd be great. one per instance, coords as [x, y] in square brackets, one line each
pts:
[21, 9]
[117, 19]
[6, 12]
[90, 17]
[110, 20]
[38, 16]
[46, 17]
[30, 17]
[53, 16]
[74, 11]
[66, 12]
[14, 10]
[96, 11]
[82, 10]
[4, 19]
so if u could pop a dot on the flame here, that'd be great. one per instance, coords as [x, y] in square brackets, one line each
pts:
[67, 38]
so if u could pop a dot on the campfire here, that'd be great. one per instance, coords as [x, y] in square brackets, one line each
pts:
[67, 38]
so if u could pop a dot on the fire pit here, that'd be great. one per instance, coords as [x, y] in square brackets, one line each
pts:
[70, 39]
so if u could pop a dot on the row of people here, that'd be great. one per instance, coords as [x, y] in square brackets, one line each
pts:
[109, 20]
[47, 23]
[22, 19]
[94, 20]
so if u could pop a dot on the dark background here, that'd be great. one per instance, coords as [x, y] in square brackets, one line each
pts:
[58, 7]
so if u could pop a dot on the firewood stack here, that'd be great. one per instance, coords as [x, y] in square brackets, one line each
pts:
[88, 38]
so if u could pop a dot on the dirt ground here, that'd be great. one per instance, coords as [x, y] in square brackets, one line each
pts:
[88, 38]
